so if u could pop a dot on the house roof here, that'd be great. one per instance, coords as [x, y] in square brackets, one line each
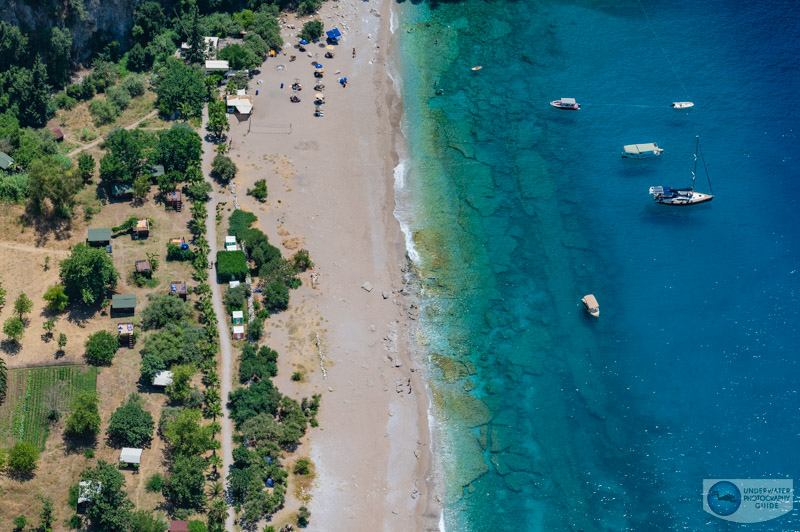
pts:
[238, 314]
[6, 161]
[123, 301]
[87, 488]
[179, 287]
[216, 65]
[174, 196]
[230, 239]
[100, 234]
[233, 284]
[143, 266]
[162, 378]
[142, 225]
[125, 328]
[238, 329]
[130, 455]
[58, 133]
[179, 526]
[242, 104]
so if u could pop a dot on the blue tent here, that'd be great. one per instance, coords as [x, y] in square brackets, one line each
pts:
[334, 34]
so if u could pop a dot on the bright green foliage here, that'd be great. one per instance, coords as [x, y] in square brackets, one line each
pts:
[22, 305]
[101, 348]
[56, 298]
[62, 340]
[155, 483]
[255, 328]
[265, 24]
[235, 298]
[144, 521]
[312, 30]
[130, 425]
[181, 386]
[47, 515]
[180, 87]
[135, 85]
[14, 328]
[275, 296]
[185, 434]
[127, 155]
[197, 526]
[257, 45]
[257, 365]
[13, 187]
[302, 467]
[22, 457]
[217, 511]
[86, 164]
[164, 309]
[259, 191]
[186, 483]
[49, 179]
[239, 57]
[84, 418]
[306, 7]
[217, 118]
[75, 522]
[231, 265]
[32, 145]
[302, 261]
[179, 147]
[103, 112]
[110, 508]
[174, 252]
[239, 223]
[20, 522]
[223, 169]
[88, 274]
[3, 388]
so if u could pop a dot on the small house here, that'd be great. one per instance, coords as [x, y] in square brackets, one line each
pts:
[58, 134]
[123, 303]
[143, 266]
[237, 317]
[142, 229]
[230, 243]
[216, 66]
[125, 334]
[179, 526]
[99, 237]
[178, 288]
[162, 379]
[121, 190]
[238, 332]
[240, 103]
[130, 456]
[88, 489]
[6, 162]
[174, 200]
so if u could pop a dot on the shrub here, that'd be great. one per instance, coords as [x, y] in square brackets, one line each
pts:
[164, 309]
[223, 168]
[239, 223]
[312, 30]
[20, 522]
[22, 457]
[303, 516]
[302, 261]
[155, 483]
[13, 187]
[197, 526]
[297, 376]
[174, 252]
[276, 296]
[235, 298]
[118, 97]
[84, 418]
[260, 190]
[231, 265]
[56, 298]
[103, 112]
[64, 101]
[75, 91]
[255, 329]
[134, 85]
[75, 522]
[101, 347]
[302, 467]
[14, 328]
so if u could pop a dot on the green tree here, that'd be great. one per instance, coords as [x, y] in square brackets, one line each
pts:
[3, 388]
[239, 57]
[179, 147]
[110, 508]
[48, 178]
[20, 522]
[23, 305]
[164, 309]
[137, 60]
[196, 52]
[303, 516]
[149, 18]
[31, 91]
[47, 515]
[144, 521]
[223, 168]
[186, 436]
[265, 24]
[86, 164]
[275, 296]
[181, 386]
[128, 152]
[56, 298]
[22, 457]
[49, 326]
[141, 185]
[87, 274]
[312, 30]
[259, 191]
[84, 417]
[13, 44]
[186, 483]
[217, 513]
[60, 51]
[130, 425]
[197, 526]
[101, 348]
[14, 329]
[62, 341]
[103, 112]
[217, 118]
[180, 84]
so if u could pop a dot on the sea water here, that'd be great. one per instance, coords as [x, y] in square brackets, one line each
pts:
[549, 419]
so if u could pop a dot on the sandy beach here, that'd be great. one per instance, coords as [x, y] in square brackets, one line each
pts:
[331, 192]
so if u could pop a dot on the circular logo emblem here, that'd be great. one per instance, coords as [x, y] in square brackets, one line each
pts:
[724, 498]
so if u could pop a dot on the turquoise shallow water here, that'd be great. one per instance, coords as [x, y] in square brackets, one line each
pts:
[550, 420]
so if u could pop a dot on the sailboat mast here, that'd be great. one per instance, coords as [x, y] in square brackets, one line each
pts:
[694, 172]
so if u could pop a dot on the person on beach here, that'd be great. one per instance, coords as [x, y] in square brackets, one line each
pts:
[354, 53]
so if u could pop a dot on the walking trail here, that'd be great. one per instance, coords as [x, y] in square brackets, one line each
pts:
[101, 138]
[222, 327]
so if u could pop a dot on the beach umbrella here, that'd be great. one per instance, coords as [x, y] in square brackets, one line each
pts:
[318, 66]
[319, 96]
[330, 47]
[303, 41]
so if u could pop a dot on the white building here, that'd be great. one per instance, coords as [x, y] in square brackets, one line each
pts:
[216, 66]
[162, 379]
[130, 455]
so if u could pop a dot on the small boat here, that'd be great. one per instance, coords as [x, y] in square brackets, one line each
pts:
[566, 103]
[476, 67]
[682, 105]
[684, 196]
[591, 305]
[641, 151]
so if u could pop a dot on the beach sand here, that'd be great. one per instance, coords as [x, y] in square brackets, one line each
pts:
[331, 192]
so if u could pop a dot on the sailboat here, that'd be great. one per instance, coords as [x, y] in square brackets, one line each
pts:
[684, 196]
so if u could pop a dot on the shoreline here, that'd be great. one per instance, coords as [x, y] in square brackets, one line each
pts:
[334, 194]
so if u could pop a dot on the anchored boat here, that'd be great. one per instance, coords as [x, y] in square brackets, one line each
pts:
[682, 105]
[591, 305]
[684, 196]
[566, 103]
[641, 151]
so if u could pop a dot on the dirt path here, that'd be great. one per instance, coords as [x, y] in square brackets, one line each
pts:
[33, 249]
[100, 139]
[222, 322]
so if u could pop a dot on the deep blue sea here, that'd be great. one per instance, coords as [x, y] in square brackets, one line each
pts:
[549, 420]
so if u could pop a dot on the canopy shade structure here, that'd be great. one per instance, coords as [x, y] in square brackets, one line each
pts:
[330, 47]
[241, 104]
[6, 161]
[162, 378]
[640, 148]
[567, 101]
[319, 96]
[123, 301]
[100, 235]
[334, 34]
[130, 455]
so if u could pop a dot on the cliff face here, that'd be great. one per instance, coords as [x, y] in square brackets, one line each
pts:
[106, 20]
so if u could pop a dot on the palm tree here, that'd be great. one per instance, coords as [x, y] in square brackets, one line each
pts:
[216, 489]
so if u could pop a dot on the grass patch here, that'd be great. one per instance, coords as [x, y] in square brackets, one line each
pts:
[33, 393]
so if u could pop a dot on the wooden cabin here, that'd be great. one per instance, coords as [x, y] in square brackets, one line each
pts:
[125, 334]
[142, 228]
[123, 304]
[174, 200]
[99, 237]
[178, 288]
[143, 266]
[238, 332]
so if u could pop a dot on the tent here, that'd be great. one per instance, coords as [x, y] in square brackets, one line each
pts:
[334, 34]
[162, 378]
[130, 455]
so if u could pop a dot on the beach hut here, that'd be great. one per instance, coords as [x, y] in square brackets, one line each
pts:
[144, 266]
[122, 304]
[130, 456]
[121, 190]
[238, 332]
[178, 288]
[86, 490]
[99, 237]
[237, 316]
[125, 334]
[334, 35]
[6, 162]
[173, 200]
[142, 229]
[230, 243]
[162, 379]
